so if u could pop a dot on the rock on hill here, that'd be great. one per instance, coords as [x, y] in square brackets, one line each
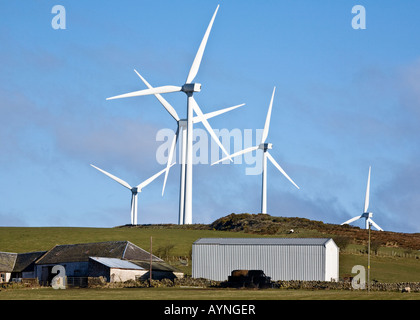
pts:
[265, 224]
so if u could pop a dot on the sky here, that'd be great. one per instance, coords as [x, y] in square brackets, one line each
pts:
[346, 99]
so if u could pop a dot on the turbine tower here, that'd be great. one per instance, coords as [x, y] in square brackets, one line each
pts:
[189, 88]
[266, 155]
[366, 214]
[134, 190]
[181, 130]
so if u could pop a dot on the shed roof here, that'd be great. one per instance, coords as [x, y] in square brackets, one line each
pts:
[262, 241]
[81, 252]
[24, 260]
[157, 266]
[7, 261]
[116, 263]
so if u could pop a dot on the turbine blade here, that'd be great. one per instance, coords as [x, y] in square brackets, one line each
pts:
[367, 193]
[280, 168]
[197, 60]
[162, 100]
[238, 154]
[216, 113]
[122, 182]
[164, 89]
[267, 120]
[200, 115]
[170, 158]
[146, 182]
[351, 220]
[375, 225]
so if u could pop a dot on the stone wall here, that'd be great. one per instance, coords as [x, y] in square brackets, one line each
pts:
[309, 285]
[345, 285]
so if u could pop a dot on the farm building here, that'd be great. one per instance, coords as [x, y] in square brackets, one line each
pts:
[18, 265]
[7, 262]
[279, 258]
[113, 260]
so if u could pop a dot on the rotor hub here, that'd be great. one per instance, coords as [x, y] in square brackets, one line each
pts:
[183, 122]
[191, 87]
[266, 146]
[367, 215]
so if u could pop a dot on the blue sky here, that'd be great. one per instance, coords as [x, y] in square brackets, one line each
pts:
[346, 99]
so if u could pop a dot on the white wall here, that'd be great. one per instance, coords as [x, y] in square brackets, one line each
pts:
[7, 277]
[121, 275]
[331, 261]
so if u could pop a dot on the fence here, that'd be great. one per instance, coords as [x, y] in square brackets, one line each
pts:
[81, 282]
[385, 253]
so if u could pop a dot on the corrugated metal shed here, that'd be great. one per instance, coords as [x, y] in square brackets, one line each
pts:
[279, 258]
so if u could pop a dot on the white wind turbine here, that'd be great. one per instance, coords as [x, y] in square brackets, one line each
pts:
[134, 190]
[181, 130]
[264, 147]
[366, 215]
[188, 88]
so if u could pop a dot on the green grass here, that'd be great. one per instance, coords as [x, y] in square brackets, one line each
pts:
[198, 294]
[383, 268]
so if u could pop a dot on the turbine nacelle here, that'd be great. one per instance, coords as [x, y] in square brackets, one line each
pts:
[367, 215]
[265, 146]
[183, 123]
[191, 87]
[135, 190]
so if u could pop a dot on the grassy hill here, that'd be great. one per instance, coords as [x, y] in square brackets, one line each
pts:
[395, 256]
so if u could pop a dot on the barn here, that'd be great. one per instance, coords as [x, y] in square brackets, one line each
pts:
[18, 265]
[7, 262]
[279, 258]
[114, 260]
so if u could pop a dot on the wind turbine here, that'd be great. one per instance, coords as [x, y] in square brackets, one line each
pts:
[189, 88]
[266, 155]
[366, 215]
[134, 190]
[181, 129]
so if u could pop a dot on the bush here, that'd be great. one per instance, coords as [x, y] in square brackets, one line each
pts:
[341, 241]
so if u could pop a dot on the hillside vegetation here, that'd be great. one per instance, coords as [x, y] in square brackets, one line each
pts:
[265, 224]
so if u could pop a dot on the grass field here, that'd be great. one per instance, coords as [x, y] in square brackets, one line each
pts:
[199, 294]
